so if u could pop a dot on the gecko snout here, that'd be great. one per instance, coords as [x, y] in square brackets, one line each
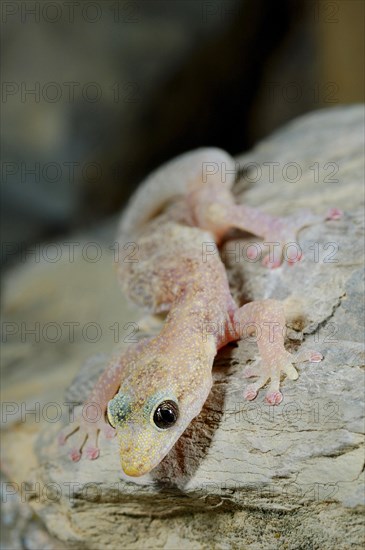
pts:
[134, 471]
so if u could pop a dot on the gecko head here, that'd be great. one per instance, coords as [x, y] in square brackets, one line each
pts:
[149, 422]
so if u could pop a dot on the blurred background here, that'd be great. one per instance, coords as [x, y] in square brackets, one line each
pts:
[95, 94]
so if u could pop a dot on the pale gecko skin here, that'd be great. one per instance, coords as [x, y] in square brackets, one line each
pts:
[152, 391]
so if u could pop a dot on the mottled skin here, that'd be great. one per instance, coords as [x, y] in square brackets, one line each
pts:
[173, 269]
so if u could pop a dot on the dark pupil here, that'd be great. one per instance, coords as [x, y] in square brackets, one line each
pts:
[166, 414]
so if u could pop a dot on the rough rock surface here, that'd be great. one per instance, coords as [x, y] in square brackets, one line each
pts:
[244, 475]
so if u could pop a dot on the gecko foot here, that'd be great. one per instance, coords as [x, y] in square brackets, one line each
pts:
[283, 240]
[273, 396]
[272, 371]
[83, 430]
[78, 448]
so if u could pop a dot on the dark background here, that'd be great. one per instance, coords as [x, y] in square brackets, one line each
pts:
[96, 94]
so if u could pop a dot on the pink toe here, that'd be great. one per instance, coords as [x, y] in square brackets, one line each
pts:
[316, 357]
[270, 265]
[251, 253]
[293, 261]
[274, 398]
[75, 455]
[92, 453]
[334, 214]
[249, 394]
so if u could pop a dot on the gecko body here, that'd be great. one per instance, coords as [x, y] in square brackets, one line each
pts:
[150, 393]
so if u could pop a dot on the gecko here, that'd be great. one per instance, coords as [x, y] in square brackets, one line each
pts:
[149, 393]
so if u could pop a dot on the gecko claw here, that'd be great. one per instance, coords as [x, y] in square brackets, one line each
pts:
[274, 397]
[250, 394]
[334, 214]
[92, 453]
[271, 264]
[293, 261]
[75, 455]
[315, 357]
[251, 253]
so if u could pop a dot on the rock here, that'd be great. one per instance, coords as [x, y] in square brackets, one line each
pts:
[244, 475]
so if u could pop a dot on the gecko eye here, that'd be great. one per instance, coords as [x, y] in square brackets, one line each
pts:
[166, 414]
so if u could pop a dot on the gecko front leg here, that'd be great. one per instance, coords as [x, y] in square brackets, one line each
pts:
[267, 320]
[90, 419]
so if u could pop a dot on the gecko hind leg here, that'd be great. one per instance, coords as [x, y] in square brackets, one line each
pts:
[284, 235]
[280, 234]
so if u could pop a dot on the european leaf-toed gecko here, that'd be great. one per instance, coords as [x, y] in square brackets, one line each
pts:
[150, 393]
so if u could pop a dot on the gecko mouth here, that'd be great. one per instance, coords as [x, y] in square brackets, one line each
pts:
[138, 466]
[134, 471]
[142, 463]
